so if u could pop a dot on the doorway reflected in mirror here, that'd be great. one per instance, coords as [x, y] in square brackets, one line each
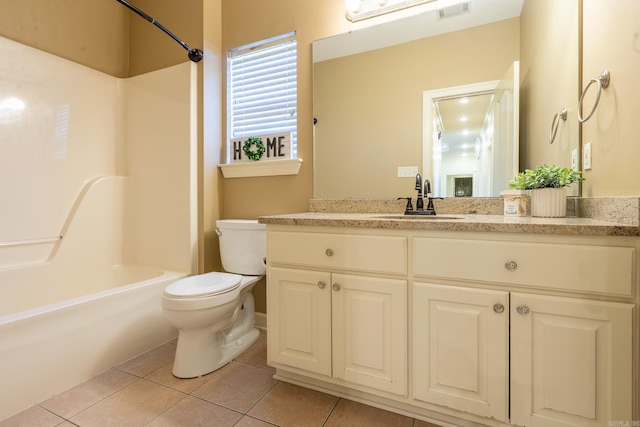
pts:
[469, 131]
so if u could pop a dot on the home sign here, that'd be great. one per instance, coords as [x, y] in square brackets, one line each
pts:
[276, 146]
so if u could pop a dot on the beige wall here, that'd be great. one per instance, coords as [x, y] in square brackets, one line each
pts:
[549, 71]
[611, 37]
[92, 33]
[105, 35]
[210, 128]
[149, 47]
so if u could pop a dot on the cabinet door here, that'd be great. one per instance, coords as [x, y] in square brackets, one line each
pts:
[299, 321]
[370, 331]
[461, 348]
[571, 361]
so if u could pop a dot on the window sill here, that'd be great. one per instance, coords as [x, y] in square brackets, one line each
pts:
[268, 168]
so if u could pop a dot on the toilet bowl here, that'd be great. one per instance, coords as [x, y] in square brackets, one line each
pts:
[215, 312]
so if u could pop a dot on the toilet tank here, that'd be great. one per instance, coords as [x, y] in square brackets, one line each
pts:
[243, 246]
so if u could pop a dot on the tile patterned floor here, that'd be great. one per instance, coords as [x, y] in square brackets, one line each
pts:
[143, 392]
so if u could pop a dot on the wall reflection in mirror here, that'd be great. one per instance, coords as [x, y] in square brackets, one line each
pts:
[373, 118]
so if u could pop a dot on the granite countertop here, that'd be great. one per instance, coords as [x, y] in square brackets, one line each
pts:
[458, 222]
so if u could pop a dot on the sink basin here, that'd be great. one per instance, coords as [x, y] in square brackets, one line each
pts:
[420, 217]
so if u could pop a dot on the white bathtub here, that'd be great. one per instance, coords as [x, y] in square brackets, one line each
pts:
[48, 349]
[99, 182]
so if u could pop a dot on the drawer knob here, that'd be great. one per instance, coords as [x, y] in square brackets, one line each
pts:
[329, 252]
[511, 265]
[321, 285]
[523, 309]
[498, 308]
[336, 287]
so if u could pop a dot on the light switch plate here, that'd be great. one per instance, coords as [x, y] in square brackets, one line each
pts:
[407, 171]
[586, 156]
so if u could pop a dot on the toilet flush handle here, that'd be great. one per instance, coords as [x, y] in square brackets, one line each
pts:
[218, 232]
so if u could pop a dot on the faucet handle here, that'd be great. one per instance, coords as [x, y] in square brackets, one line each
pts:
[409, 206]
[430, 207]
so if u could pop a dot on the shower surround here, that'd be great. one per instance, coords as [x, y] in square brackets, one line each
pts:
[98, 213]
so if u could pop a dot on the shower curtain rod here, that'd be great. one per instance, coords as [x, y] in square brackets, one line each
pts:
[194, 54]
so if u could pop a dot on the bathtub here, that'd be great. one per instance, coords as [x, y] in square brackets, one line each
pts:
[48, 349]
[99, 214]
[73, 307]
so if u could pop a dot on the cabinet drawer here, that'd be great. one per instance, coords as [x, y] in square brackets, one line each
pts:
[584, 268]
[378, 254]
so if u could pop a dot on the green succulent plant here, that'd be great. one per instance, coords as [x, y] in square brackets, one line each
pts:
[545, 176]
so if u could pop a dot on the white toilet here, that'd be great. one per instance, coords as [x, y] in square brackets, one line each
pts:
[214, 312]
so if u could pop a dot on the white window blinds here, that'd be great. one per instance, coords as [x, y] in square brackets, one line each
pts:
[262, 89]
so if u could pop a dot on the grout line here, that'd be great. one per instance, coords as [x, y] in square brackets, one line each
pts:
[331, 411]
[257, 419]
[262, 397]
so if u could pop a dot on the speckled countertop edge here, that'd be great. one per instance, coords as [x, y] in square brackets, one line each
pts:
[479, 214]
[486, 223]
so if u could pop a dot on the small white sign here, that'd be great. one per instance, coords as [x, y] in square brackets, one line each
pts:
[276, 146]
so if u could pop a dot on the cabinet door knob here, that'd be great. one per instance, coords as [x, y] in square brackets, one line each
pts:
[336, 287]
[329, 252]
[511, 265]
[321, 285]
[498, 308]
[523, 309]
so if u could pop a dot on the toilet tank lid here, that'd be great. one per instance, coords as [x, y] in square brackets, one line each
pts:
[207, 284]
[241, 224]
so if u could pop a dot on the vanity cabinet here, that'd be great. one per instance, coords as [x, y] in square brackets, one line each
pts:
[351, 328]
[566, 361]
[461, 348]
[493, 329]
[571, 361]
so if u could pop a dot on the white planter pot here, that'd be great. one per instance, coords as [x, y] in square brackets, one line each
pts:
[549, 202]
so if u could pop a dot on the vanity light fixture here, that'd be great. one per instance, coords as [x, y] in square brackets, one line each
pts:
[358, 10]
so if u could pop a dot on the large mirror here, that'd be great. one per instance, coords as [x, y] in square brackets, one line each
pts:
[373, 89]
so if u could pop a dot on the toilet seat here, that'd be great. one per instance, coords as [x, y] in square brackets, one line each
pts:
[203, 285]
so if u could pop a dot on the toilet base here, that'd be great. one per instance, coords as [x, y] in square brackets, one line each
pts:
[192, 364]
[203, 350]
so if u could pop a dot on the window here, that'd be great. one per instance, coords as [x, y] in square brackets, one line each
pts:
[262, 90]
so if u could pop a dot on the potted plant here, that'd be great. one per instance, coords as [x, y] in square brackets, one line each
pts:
[548, 188]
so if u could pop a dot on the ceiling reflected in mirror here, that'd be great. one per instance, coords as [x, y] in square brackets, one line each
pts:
[460, 121]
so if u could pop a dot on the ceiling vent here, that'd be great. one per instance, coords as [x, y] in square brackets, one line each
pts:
[454, 10]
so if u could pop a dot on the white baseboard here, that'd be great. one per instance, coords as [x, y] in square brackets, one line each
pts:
[261, 321]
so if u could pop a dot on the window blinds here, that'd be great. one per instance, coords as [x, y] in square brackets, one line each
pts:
[262, 89]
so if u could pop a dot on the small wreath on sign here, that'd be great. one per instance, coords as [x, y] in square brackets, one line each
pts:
[253, 148]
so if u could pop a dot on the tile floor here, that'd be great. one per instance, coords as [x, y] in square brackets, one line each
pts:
[142, 392]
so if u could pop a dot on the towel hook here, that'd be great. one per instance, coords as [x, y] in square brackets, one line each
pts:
[556, 123]
[603, 82]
